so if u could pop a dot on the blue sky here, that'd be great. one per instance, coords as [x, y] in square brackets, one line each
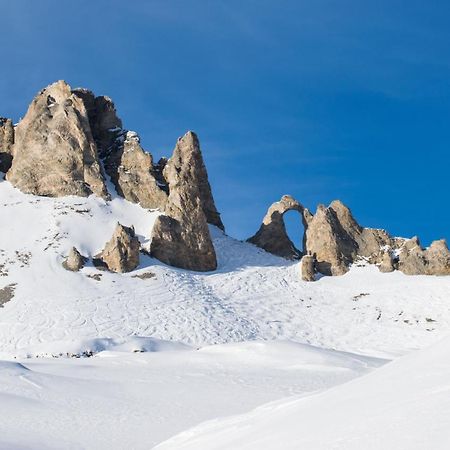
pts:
[318, 99]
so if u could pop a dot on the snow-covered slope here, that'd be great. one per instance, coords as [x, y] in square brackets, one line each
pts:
[404, 405]
[124, 401]
[252, 295]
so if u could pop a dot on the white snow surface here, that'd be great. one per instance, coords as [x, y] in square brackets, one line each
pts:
[170, 348]
[252, 295]
[404, 405]
[136, 400]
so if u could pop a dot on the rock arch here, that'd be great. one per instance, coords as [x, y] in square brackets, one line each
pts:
[272, 235]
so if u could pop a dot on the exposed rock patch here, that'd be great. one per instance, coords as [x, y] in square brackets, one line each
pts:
[272, 235]
[7, 294]
[6, 144]
[74, 261]
[181, 238]
[121, 253]
[54, 150]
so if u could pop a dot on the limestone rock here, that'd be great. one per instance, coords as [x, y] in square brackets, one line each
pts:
[308, 267]
[387, 263]
[129, 167]
[438, 256]
[329, 243]
[414, 260]
[121, 253]
[6, 143]
[181, 238]
[132, 172]
[74, 261]
[272, 235]
[54, 150]
[187, 155]
[334, 236]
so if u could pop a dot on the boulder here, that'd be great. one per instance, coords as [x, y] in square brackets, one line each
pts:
[181, 237]
[54, 150]
[121, 253]
[308, 267]
[74, 261]
[6, 143]
[272, 235]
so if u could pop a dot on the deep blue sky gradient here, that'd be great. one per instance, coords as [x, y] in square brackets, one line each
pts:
[319, 99]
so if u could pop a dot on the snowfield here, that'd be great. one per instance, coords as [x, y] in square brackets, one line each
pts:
[404, 405]
[170, 348]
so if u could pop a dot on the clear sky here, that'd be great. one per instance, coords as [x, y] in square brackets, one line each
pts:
[317, 99]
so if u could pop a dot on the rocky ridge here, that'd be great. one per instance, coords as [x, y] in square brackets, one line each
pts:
[72, 142]
[335, 240]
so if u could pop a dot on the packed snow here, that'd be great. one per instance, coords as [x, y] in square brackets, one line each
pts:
[99, 360]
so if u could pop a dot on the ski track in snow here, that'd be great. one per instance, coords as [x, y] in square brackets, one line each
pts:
[252, 295]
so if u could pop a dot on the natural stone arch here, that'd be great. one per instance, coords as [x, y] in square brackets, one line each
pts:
[272, 235]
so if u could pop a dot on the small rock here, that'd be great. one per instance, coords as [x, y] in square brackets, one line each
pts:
[74, 261]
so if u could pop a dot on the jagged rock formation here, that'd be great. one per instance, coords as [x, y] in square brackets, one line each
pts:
[272, 235]
[121, 253]
[6, 143]
[415, 260]
[132, 172]
[308, 268]
[336, 239]
[129, 167]
[74, 261]
[54, 151]
[181, 238]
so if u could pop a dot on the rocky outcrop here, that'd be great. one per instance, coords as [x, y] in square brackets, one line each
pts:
[54, 150]
[129, 167]
[438, 256]
[132, 171]
[415, 260]
[336, 239]
[121, 253]
[6, 143]
[74, 261]
[181, 237]
[272, 235]
[308, 268]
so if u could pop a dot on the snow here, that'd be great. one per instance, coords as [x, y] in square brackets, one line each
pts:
[403, 405]
[169, 349]
[135, 400]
